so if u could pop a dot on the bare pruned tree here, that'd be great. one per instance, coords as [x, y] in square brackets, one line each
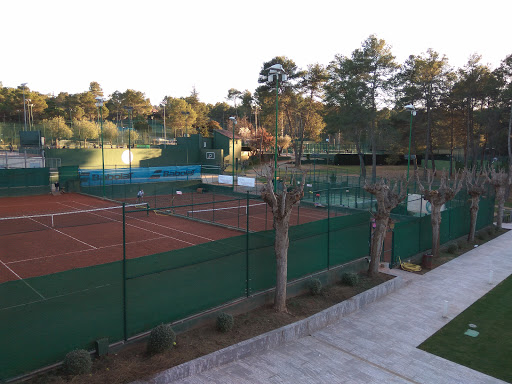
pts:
[388, 196]
[446, 191]
[500, 180]
[281, 202]
[475, 186]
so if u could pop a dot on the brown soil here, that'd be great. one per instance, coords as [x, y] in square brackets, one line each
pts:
[133, 363]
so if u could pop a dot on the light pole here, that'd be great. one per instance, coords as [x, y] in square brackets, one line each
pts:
[165, 130]
[99, 104]
[24, 108]
[410, 107]
[233, 121]
[276, 70]
[129, 109]
[186, 129]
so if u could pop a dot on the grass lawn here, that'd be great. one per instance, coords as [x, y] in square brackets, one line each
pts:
[491, 351]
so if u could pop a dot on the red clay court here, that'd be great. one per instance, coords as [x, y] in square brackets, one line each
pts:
[39, 245]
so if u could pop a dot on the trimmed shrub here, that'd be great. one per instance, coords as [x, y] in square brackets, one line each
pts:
[77, 362]
[315, 287]
[161, 339]
[461, 244]
[481, 236]
[225, 322]
[490, 231]
[452, 248]
[350, 279]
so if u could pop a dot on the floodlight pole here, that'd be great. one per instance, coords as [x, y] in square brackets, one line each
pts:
[275, 149]
[233, 120]
[24, 108]
[165, 130]
[410, 107]
[129, 109]
[276, 69]
[99, 104]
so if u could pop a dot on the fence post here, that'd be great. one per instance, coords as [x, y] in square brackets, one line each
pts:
[328, 226]
[124, 273]
[247, 286]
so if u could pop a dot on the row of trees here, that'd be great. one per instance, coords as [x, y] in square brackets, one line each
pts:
[357, 99]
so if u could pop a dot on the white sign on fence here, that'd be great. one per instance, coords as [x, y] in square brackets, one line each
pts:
[246, 181]
[224, 179]
[415, 203]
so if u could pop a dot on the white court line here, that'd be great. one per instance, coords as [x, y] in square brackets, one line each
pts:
[143, 229]
[149, 222]
[82, 250]
[62, 233]
[55, 297]
[19, 277]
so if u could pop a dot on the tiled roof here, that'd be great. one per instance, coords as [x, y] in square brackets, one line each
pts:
[228, 134]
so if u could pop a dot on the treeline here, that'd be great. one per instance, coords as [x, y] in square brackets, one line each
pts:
[358, 99]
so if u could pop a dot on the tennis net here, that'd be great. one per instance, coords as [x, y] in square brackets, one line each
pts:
[214, 214]
[51, 221]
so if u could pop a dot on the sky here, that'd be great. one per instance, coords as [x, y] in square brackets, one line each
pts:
[168, 48]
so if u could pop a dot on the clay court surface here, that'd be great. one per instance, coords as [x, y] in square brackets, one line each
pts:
[37, 246]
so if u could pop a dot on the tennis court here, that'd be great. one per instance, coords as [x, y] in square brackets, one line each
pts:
[47, 234]
[231, 211]
[57, 233]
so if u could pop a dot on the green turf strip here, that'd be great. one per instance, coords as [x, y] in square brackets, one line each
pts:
[491, 351]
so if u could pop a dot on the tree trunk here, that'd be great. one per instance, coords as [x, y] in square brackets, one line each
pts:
[508, 140]
[281, 248]
[377, 244]
[361, 160]
[436, 227]
[473, 211]
[500, 196]
[374, 153]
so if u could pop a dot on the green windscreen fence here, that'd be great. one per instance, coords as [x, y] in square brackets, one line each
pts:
[24, 181]
[43, 318]
[69, 178]
[415, 235]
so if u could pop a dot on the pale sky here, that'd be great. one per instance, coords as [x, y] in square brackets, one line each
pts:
[165, 48]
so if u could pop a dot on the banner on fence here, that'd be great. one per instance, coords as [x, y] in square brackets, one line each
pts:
[246, 181]
[141, 175]
[224, 179]
[416, 203]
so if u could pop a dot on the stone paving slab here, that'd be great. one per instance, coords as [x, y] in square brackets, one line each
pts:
[377, 343]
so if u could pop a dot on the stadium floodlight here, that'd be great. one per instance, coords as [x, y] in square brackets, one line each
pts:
[99, 104]
[24, 110]
[233, 120]
[130, 114]
[410, 107]
[273, 72]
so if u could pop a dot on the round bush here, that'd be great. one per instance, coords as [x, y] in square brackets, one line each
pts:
[161, 339]
[481, 236]
[315, 286]
[225, 322]
[452, 248]
[77, 362]
[461, 244]
[350, 279]
[490, 231]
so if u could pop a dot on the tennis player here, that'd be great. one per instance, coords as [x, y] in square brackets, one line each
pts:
[140, 196]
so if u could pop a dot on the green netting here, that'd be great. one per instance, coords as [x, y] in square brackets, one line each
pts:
[24, 181]
[77, 308]
[158, 194]
[69, 178]
[415, 235]
[177, 293]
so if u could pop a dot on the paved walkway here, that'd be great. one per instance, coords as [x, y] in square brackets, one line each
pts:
[377, 344]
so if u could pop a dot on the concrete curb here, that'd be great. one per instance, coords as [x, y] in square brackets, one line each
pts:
[276, 337]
